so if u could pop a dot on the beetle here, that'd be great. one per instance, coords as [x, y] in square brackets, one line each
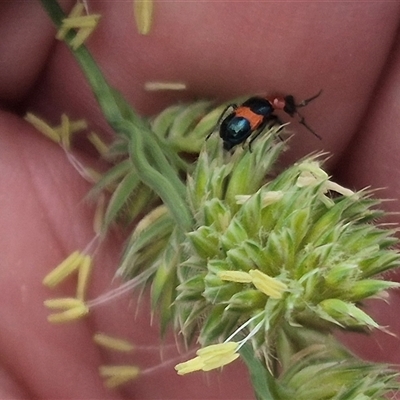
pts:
[251, 117]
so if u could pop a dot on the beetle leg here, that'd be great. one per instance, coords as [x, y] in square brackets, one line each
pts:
[303, 122]
[257, 133]
[271, 120]
[221, 117]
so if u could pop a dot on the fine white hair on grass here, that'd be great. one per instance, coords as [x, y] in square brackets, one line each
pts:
[165, 363]
[126, 287]
[86, 5]
[84, 172]
[244, 326]
[93, 246]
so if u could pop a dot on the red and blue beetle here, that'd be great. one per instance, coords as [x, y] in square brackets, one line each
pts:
[251, 117]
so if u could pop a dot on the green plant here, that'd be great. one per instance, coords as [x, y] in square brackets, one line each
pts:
[250, 261]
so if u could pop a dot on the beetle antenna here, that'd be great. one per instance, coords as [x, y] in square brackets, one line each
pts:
[306, 101]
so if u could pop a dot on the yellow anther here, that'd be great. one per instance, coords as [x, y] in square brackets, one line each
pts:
[143, 11]
[83, 277]
[85, 24]
[68, 128]
[63, 303]
[113, 343]
[65, 131]
[270, 286]
[99, 213]
[118, 374]
[74, 307]
[218, 349]
[217, 362]
[335, 187]
[155, 86]
[152, 216]
[84, 33]
[59, 134]
[210, 357]
[271, 197]
[98, 143]
[63, 270]
[195, 364]
[43, 127]
[75, 12]
[71, 314]
[74, 262]
[235, 276]
[86, 21]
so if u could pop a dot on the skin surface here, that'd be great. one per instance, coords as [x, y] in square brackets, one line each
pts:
[221, 50]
